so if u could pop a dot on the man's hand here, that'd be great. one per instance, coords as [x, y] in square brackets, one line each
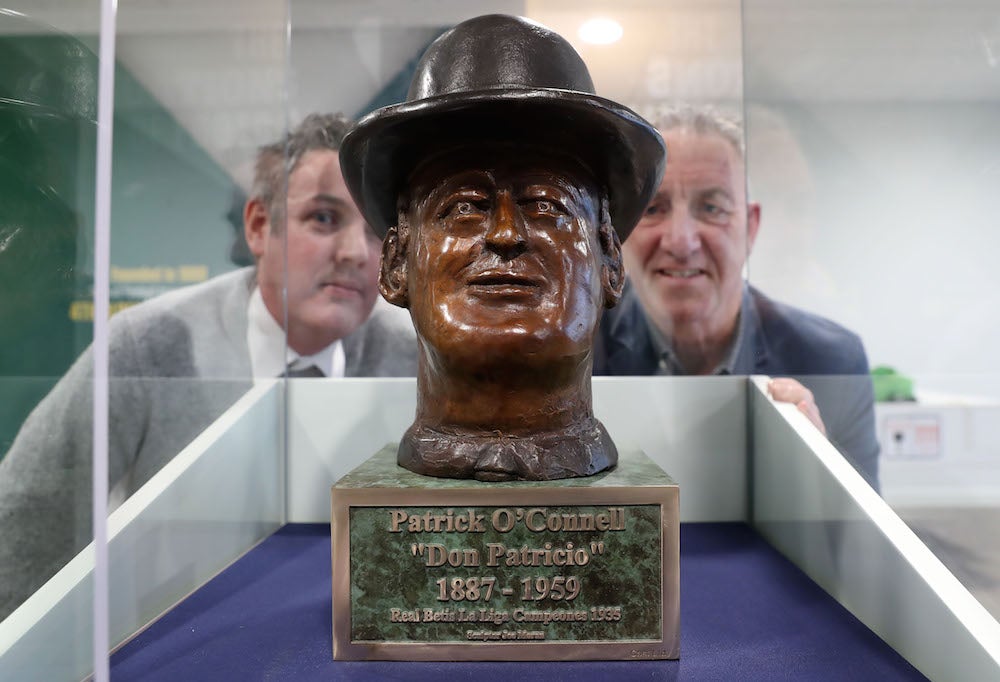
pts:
[790, 391]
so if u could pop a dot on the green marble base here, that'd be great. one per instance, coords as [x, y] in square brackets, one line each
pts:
[447, 569]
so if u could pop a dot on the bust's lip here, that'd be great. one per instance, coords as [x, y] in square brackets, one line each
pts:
[503, 278]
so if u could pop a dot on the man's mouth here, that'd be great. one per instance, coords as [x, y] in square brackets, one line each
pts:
[680, 273]
[342, 287]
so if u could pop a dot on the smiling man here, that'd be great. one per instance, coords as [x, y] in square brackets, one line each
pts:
[179, 360]
[685, 258]
[689, 311]
[503, 186]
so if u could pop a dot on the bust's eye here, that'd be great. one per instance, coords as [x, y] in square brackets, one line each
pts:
[544, 207]
[464, 208]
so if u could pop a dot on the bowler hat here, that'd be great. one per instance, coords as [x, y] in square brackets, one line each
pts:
[499, 78]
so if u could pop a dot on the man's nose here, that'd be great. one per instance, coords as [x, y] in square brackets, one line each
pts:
[505, 236]
[680, 236]
[353, 245]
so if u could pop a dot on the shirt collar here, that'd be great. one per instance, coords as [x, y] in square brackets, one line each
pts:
[269, 352]
[669, 364]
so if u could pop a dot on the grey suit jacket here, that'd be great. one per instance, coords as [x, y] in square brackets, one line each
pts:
[177, 362]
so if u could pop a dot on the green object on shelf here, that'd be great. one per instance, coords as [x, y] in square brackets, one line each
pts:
[891, 386]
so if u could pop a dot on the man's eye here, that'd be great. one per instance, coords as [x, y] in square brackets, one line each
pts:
[655, 209]
[714, 211]
[325, 218]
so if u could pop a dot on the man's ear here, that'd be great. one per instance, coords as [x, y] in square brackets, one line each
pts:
[612, 268]
[392, 277]
[256, 226]
[753, 224]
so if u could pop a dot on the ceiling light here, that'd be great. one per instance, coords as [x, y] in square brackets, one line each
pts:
[600, 31]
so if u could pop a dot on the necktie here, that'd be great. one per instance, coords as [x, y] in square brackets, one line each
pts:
[310, 372]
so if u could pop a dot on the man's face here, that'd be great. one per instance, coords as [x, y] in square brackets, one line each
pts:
[503, 258]
[332, 256]
[686, 255]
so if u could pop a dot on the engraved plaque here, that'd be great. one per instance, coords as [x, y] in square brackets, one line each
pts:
[446, 569]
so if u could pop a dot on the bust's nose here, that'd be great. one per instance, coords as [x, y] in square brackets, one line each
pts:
[506, 234]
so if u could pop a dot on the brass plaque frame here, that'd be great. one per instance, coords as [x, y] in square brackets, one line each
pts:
[665, 496]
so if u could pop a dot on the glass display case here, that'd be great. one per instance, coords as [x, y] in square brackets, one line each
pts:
[48, 105]
[868, 137]
[872, 150]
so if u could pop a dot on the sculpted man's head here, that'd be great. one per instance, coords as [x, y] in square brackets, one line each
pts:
[686, 256]
[312, 246]
[503, 187]
[512, 256]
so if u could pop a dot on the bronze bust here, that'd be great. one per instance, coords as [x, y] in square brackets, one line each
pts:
[503, 187]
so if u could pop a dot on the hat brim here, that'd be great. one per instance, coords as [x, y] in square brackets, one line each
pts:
[621, 148]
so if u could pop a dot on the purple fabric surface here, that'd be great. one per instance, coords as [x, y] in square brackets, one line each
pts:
[746, 614]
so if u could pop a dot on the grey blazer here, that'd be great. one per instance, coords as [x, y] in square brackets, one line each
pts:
[177, 362]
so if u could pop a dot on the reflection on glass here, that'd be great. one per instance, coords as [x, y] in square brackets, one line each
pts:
[876, 162]
[189, 332]
[48, 95]
[174, 184]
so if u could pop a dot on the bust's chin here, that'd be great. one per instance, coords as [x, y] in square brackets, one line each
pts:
[505, 347]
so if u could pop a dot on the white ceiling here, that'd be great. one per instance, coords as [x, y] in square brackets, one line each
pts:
[226, 71]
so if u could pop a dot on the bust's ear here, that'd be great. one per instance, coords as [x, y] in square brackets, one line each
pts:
[612, 268]
[392, 279]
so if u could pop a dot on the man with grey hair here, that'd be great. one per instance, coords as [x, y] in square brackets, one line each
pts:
[688, 310]
[179, 360]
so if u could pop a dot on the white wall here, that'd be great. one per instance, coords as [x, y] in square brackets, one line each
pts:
[874, 148]
[883, 216]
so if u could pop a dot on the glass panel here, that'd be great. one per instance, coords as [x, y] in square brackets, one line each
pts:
[199, 87]
[48, 103]
[685, 310]
[873, 149]
[48, 111]
[663, 54]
